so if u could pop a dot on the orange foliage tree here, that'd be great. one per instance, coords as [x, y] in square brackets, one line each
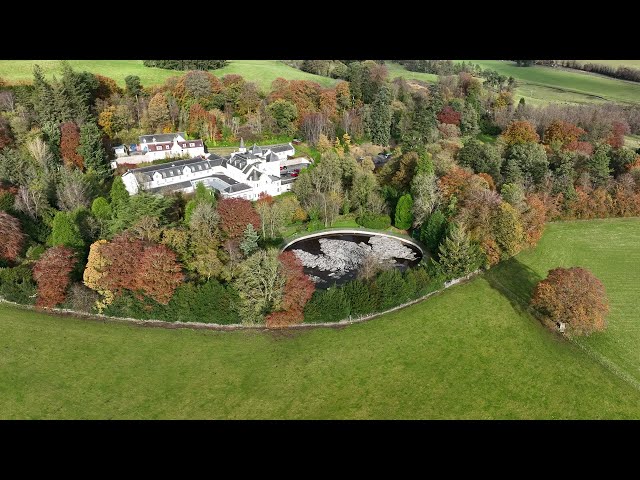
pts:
[298, 290]
[69, 143]
[51, 274]
[573, 296]
[235, 215]
[563, 135]
[520, 132]
[11, 237]
[140, 267]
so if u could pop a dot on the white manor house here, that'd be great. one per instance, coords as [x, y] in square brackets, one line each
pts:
[245, 173]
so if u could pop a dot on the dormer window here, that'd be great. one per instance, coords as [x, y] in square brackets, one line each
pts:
[159, 147]
[192, 144]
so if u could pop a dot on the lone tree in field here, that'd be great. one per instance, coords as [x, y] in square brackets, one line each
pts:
[573, 296]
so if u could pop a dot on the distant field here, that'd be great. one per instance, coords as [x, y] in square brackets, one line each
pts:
[396, 70]
[544, 84]
[263, 72]
[470, 352]
[615, 63]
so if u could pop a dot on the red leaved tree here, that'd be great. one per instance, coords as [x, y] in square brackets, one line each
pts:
[51, 273]
[573, 296]
[140, 267]
[618, 131]
[449, 115]
[11, 237]
[69, 143]
[298, 290]
[235, 215]
[520, 132]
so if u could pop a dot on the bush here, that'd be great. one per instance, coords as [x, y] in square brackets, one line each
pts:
[360, 299]
[573, 296]
[391, 289]
[81, 299]
[376, 222]
[210, 302]
[329, 305]
[17, 285]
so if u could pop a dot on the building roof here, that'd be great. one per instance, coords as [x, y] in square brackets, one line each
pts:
[241, 142]
[283, 147]
[272, 157]
[256, 150]
[160, 137]
[170, 188]
[238, 187]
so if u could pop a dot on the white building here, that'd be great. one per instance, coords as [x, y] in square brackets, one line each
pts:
[157, 147]
[243, 174]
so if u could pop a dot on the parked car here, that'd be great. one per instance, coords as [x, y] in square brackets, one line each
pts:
[294, 174]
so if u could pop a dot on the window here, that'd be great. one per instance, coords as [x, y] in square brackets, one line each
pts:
[192, 144]
[159, 147]
[166, 147]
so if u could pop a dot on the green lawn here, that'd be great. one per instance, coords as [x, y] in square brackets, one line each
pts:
[611, 250]
[263, 72]
[545, 84]
[471, 352]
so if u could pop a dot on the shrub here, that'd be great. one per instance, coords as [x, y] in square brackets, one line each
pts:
[573, 296]
[360, 299]
[52, 274]
[376, 222]
[210, 302]
[329, 305]
[17, 285]
[391, 289]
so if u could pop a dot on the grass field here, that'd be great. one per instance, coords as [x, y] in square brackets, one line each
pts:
[396, 70]
[263, 72]
[545, 84]
[611, 250]
[470, 352]
[615, 63]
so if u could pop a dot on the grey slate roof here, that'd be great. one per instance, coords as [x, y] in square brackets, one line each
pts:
[238, 187]
[283, 147]
[272, 157]
[170, 188]
[161, 137]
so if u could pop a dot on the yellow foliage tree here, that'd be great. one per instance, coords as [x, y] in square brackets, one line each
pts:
[94, 271]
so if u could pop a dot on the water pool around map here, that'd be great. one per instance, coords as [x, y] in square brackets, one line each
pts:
[337, 257]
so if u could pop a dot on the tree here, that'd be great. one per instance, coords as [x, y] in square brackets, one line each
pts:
[119, 195]
[12, 237]
[69, 143]
[249, 243]
[92, 150]
[94, 271]
[235, 215]
[284, 113]
[426, 196]
[561, 135]
[260, 285]
[140, 267]
[457, 255]
[481, 157]
[132, 83]
[158, 111]
[531, 160]
[73, 191]
[51, 273]
[519, 132]
[6, 135]
[573, 296]
[404, 215]
[449, 116]
[65, 231]
[381, 117]
[507, 230]
[433, 231]
[298, 290]
[598, 165]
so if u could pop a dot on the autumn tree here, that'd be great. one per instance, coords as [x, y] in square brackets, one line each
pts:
[519, 132]
[52, 275]
[507, 230]
[573, 296]
[69, 143]
[298, 290]
[235, 215]
[561, 135]
[158, 111]
[12, 237]
[449, 116]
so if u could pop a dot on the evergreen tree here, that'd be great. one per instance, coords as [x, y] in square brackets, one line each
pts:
[458, 256]
[65, 231]
[92, 150]
[433, 231]
[43, 98]
[598, 165]
[511, 171]
[119, 195]
[381, 117]
[404, 215]
[249, 243]
[132, 83]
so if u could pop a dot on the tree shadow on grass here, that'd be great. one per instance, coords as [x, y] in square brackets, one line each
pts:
[515, 281]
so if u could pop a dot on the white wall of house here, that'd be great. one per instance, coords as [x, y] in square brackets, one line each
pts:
[130, 183]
